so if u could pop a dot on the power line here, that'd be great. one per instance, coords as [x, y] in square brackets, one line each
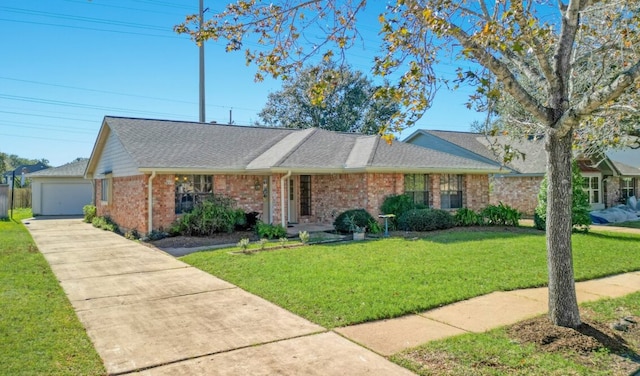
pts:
[94, 3]
[85, 19]
[80, 105]
[20, 124]
[46, 116]
[43, 138]
[92, 29]
[122, 94]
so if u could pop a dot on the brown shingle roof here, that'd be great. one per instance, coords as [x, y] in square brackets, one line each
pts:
[187, 145]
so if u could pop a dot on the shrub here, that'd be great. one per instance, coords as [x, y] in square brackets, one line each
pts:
[425, 220]
[155, 235]
[374, 227]
[104, 223]
[244, 245]
[304, 237]
[500, 215]
[579, 204]
[132, 235]
[250, 221]
[355, 217]
[269, 231]
[216, 214]
[467, 217]
[398, 205]
[90, 212]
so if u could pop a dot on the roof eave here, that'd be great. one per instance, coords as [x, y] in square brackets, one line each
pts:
[98, 146]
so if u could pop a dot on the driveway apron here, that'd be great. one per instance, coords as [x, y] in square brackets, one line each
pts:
[148, 313]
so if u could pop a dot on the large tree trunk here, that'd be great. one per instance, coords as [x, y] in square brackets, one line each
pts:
[563, 305]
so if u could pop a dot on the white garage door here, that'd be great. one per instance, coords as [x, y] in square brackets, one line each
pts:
[65, 198]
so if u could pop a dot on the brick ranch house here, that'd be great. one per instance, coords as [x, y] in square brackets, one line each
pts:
[146, 173]
[607, 182]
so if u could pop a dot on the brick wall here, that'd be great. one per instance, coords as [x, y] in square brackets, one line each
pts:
[380, 186]
[242, 188]
[164, 201]
[613, 191]
[330, 195]
[333, 194]
[128, 206]
[476, 191]
[518, 192]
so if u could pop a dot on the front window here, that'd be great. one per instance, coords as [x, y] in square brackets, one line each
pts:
[627, 187]
[191, 190]
[305, 194]
[417, 186]
[105, 185]
[450, 191]
[591, 185]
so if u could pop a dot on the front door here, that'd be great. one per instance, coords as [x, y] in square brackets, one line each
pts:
[293, 201]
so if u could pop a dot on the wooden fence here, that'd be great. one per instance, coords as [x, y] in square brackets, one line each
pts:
[4, 201]
[21, 198]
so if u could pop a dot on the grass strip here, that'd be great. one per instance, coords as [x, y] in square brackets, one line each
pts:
[39, 331]
[495, 353]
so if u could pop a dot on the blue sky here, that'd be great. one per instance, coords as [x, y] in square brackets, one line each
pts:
[67, 63]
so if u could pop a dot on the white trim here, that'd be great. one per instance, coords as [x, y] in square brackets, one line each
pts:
[283, 179]
[150, 202]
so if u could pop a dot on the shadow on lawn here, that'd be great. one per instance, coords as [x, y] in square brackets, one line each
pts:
[618, 236]
[469, 234]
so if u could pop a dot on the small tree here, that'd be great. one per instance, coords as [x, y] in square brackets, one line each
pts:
[579, 202]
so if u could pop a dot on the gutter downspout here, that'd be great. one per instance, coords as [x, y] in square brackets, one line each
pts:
[150, 202]
[282, 191]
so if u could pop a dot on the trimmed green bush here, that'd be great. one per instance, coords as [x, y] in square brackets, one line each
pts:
[269, 231]
[465, 217]
[579, 205]
[105, 223]
[397, 205]
[344, 223]
[500, 215]
[216, 214]
[426, 220]
[90, 212]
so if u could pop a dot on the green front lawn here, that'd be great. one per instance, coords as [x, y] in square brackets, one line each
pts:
[497, 352]
[39, 331]
[336, 285]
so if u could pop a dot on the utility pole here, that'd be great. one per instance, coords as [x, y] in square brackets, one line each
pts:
[202, 112]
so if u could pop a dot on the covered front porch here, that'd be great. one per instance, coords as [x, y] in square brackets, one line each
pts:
[295, 228]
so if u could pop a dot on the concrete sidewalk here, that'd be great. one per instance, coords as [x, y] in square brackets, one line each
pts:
[151, 314]
[476, 315]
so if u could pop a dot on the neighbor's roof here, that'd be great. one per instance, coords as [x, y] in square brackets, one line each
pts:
[625, 169]
[491, 148]
[73, 169]
[182, 146]
[27, 169]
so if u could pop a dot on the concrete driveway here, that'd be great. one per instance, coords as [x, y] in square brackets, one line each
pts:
[151, 314]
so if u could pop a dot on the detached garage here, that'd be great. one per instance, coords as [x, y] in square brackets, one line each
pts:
[61, 190]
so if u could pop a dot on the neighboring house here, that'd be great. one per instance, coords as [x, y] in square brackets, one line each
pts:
[61, 190]
[606, 181]
[21, 173]
[148, 172]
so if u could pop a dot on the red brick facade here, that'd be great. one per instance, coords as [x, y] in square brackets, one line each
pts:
[476, 192]
[330, 195]
[520, 192]
[128, 202]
